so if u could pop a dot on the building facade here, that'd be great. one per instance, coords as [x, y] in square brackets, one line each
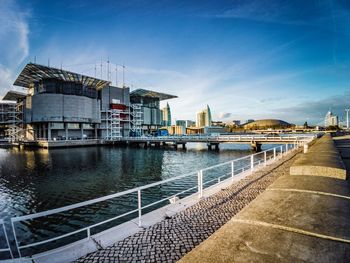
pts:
[331, 120]
[176, 130]
[63, 105]
[166, 116]
[203, 118]
[185, 123]
[148, 102]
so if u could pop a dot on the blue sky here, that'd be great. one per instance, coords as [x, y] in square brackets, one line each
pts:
[246, 59]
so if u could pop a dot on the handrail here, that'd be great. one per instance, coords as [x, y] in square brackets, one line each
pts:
[8, 248]
[218, 138]
[253, 163]
[96, 200]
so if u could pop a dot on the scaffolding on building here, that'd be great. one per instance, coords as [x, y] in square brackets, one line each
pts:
[114, 122]
[136, 121]
[113, 125]
[11, 118]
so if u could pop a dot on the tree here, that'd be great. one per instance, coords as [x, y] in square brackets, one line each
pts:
[306, 125]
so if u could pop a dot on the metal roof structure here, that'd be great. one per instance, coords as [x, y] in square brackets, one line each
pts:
[151, 94]
[13, 95]
[35, 72]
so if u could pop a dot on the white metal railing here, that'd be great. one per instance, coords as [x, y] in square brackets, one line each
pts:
[8, 248]
[206, 178]
[235, 138]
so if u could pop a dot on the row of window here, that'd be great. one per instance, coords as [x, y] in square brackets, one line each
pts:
[71, 126]
[67, 88]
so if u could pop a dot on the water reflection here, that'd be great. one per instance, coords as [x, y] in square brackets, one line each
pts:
[37, 180]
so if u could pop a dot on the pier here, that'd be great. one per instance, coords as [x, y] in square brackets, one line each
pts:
[302, 216]
[213, 142]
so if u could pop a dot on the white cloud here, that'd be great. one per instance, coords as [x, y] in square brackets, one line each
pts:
[14, 43]
[224, 115]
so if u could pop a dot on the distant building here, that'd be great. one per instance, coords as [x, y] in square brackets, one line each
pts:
[63, 105]
[249, 121]
[151, 115]
[194, 130]
[331, 120]
[203, 118]
[217, 124]
[236, 122]
[176, 130]
[267, 124]
[185, 123]
[166, 116]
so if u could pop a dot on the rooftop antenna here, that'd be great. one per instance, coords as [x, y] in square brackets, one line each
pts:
[95, 70]
[101, 68]
[347, 118]
[108, 68]
[34, 59]
[123, 75]
[61, 64]
[48, 62]
[116, 75]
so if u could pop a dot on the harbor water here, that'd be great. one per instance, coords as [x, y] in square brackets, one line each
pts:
[37, 180]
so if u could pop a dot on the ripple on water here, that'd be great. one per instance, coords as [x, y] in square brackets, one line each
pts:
[37, 180]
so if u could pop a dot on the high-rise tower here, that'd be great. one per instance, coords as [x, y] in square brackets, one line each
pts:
[166, 116]
[203, 118]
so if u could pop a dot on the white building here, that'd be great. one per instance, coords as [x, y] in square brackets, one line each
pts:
[203, 118]
[331, 120]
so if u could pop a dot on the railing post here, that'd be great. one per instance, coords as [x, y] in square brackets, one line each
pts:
[7, 240]
[252, 162]
[200, 184]
[88, 233]
[139, 206]
[264, 158]
[15, 235]
[274, 153]
[287, 147]
[232, 170]
[281, 150]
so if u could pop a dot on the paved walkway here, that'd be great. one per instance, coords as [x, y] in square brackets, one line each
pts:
[172, 238]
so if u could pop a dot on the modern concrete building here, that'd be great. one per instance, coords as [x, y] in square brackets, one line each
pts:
[266, 124]
[203, 117]
[148, 102]
[166, 116]
[63, 105]
[331, 120]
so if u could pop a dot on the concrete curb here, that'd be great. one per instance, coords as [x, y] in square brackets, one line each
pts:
[322, 159]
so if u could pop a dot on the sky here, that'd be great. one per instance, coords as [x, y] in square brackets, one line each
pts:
[246, 59]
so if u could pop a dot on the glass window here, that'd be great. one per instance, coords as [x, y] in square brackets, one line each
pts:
[72, 126]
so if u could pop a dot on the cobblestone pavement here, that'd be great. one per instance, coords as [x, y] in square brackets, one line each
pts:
[172, 238]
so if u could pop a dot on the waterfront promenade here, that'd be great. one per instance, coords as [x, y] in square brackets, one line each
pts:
[301, 217]
[173, 237]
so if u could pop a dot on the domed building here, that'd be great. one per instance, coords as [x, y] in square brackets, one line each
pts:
[267, 124]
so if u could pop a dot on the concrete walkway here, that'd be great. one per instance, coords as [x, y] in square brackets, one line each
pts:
[172, 238]
[343, 145]
[299, 218]
[322, 159]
